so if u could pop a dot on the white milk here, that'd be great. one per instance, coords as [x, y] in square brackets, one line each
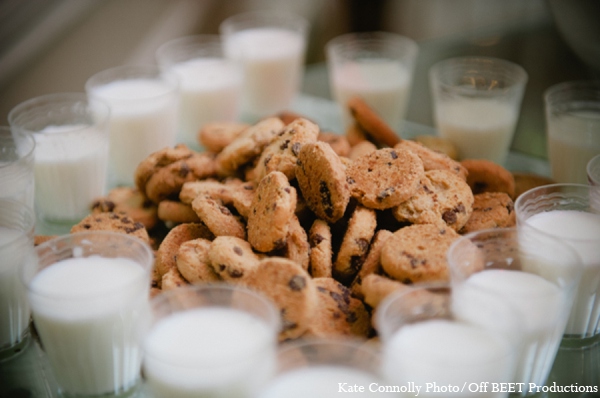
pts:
[539, 303]
[446, 353]
[581, 230]
[143, 119]
[272, 60]
[209, 352]
[88, 312]
[573, 139]
[14, 309]
[481, 129]
[210, 91]
[383, 85]
[70, 171]
[323, 381]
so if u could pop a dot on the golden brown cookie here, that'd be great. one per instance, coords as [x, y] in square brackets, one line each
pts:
[218, 218]
[338, 143]
[434, 160]
[193, 262]
[376, 288]
[487, 176]
[372, 123]
[491, 210]
[525, 181]
[438, 144]
[166, 254]
[272, 208]
[172, 280]
[176, 212]
[215, 136]
[242, 198]
[321, 254]
[232, 258]
[210, 187]
[385, 178]
[128, 200]
[116, 222]
[372, 263]
[322, 180]
[157, 160]
[296, 247]
[418, 253]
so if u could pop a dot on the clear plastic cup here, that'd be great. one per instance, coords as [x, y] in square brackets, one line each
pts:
[16, 165]
[593, 171]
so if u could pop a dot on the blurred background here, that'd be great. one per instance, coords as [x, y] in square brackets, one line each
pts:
[51, 46]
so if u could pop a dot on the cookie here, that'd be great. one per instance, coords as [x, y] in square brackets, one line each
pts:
[438, 144]
[487, 176]
[321, 253]
[210, 187]
[443, 199]
[355, 134]
[491, 210]
[176, 212]
[360, 149]
[376, 288]
[372, 123]
[322, 180]
[167, 181]
[218, 218]
[128, 200]
[242, 197]
[291, 289]
[385, 178]
[193, 262]
[172, 280]
[434, 160]
[338, 143]
[288, 116]
[214, 136]
[355, 244]
[338, 313]
[273, 206]
[157, 160]
[372, 263]
[232, 258]
[116, 222]
[417, 253]
[248, 145]
[526, 181]
[281, 154]
[166, 255]
[297, 247]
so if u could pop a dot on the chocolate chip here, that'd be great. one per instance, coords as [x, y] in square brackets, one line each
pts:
[287, 189]
[510, 207]
[350, 180]
[267, 160]
[317, 239]
[248, 187]
[284, 145]
[296, 148]
[235, 273]
[288, 325]
[238, 250]
[87, 226]
[222, 267]
[224, 210]
[394, 155]
[321, 289]
[449, 217]
[297, 283]
[460, 208]
[385, 193]
[185, 170]
[126, 220]
[326, 198]
[351, 317]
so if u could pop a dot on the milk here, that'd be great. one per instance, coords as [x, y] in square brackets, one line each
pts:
[210, 91]
[322, 381]
[539, 304]
[383, 85]
[143, 119]
[573, 139]
[272, 61]
[581, 230]
[209, 352]
[70, 171]
[446, 353]
[88, 313]
[480, 129]
[14, 309]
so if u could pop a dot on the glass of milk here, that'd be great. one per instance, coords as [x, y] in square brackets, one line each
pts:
[270, 48]
[211, 85]
[476, 103]
[16, 165]
[538, 275]
[144, 105]
[326, 368]
[593, 171]
[571, 213]
[89, 295]
[71, 155]
[17, 222]
[210, 341]
[375, 66]
[427, 346]
[572, 128]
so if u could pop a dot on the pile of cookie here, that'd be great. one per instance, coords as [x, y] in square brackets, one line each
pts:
[326, 225]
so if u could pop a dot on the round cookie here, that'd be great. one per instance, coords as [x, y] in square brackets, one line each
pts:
[322, 180]
[487, 176]
[213, 188]
[166, 254]
[232, 258]
[375, 288]
[215, 136]
[491, 210]
[242, 197]
[131, 201]
[338, 314]
[443, 199]
[321, 254]
[291, 289]
[385, 178]
[297, 248]
[218, 218]
[372, 123]
[248, 145]
[417, 253]
[372, 263]
[355, 244]
[338, 143]
[525, 181]
[115, 222]
[433, 160]
[438, 144]
[176, 212]
[273, 206]
[193, 262]
[157, 160]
